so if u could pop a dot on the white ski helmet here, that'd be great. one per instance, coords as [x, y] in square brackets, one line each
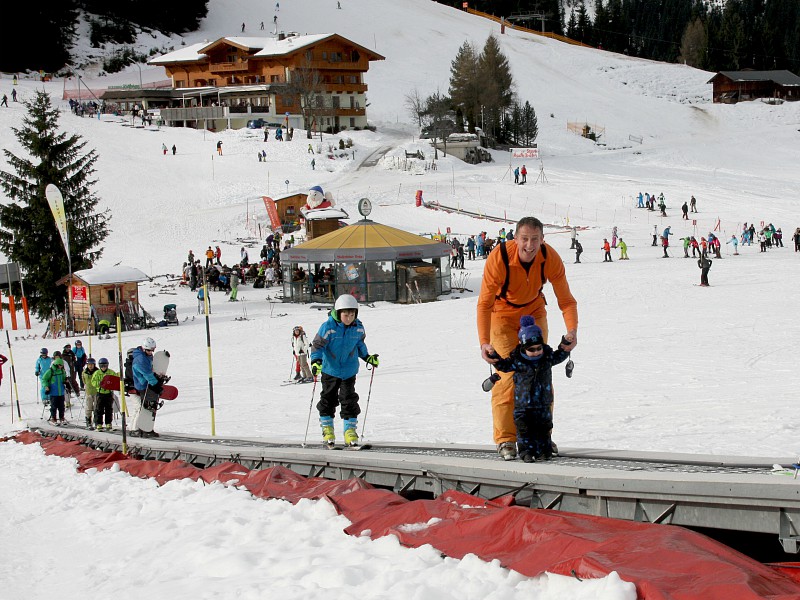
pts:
[149, 344]
[345, 302]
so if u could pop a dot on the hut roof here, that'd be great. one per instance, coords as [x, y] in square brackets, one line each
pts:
[108, 275]
[366, 240]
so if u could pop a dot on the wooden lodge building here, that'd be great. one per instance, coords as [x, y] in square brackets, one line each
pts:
[736, 86]
[306, 81]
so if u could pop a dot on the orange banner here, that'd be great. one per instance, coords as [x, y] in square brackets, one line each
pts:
[272, 211]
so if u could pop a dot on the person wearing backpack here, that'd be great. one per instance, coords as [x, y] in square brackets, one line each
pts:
[513, 284]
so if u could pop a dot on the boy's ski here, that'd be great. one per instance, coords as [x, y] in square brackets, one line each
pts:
[355, 448]
[297, 382]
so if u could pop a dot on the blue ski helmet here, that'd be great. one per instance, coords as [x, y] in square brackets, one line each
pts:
[103, 361]
[91, 361]
[43, 351]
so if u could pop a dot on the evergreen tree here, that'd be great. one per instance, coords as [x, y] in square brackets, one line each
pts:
[529, 125]
[28, 233]
[465, 83]
[693, 44]
[496, 84]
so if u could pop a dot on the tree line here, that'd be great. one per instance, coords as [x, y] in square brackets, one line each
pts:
[734, 35]
[56, 27]
[480, 95]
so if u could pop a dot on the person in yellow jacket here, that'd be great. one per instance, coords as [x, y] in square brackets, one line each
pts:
[104, 406]
[512, 286]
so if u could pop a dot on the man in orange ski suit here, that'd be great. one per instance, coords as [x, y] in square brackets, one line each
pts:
[498, 312]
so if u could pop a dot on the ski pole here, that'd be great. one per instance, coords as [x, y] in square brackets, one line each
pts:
[366, 406]
[310, 406]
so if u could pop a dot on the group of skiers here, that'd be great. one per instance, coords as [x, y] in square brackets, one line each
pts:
[69, 372]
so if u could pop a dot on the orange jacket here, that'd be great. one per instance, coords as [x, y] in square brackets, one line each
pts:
[606, 247]
[523, 288]
[209, 253]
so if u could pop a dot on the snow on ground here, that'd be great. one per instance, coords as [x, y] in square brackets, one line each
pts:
[662, 364]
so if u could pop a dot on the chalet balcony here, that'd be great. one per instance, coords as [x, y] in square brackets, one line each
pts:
[327, 65]
[229, 67]
[352, 88]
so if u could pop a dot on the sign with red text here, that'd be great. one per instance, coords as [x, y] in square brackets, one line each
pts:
[525, 153]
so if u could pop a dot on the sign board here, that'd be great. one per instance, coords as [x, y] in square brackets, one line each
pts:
[525, 153]
[272, 212]
[80, 293]
[364, 207]
[6, 270]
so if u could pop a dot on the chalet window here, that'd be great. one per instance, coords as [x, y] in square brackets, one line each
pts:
[274, 78]
[352, 79]
[309, 55]
[179, 83]
[338, 79]
[324, 56]
[287, 101]
[336, 103]
[289, 210]
[110, 296]
[355, 57]
[352, 122]
[319, 101]
[352, 101]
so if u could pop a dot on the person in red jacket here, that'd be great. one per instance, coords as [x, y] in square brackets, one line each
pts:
[524, 173]
[3, 360]
[607, 249]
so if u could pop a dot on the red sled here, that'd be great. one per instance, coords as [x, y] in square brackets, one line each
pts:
[111, 382]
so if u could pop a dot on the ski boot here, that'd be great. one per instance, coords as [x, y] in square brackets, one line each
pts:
[99, 427]
[328, 435]
[350, 433]
[89, 423]
[507, 450]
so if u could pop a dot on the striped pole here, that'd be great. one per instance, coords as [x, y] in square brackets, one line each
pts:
[13, 378]
[123, 403]
[208, 347]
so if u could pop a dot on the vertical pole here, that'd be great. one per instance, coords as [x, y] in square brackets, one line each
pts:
[208, 347]
[123, 404]
[13, 378]
[1, 310]
[25, 311]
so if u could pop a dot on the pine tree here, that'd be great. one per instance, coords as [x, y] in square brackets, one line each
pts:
[465, 83]
[28, 234]
[529, 125]
[496, 93]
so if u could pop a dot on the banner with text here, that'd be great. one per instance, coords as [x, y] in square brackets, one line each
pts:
[525, 153]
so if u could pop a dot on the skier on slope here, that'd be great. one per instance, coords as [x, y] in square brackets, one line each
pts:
[300, 352]
[91, 389]
[336, 348]
[147, 384]
[54, 382]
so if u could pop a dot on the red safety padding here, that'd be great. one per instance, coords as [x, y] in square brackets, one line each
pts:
[665, 562]
[283, 483]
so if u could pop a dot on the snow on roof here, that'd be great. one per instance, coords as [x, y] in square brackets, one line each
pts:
[188, 53]
[276, 47]
[107, 275]
[324, 213]
[269, 46]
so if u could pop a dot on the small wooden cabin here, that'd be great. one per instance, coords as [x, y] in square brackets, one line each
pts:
[98, 290]
[734, 86]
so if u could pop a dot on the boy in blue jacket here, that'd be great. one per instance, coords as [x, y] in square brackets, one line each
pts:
[336, 348]
[532, 362]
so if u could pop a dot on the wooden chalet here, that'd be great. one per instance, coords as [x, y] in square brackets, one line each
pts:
[735, 86]
[306, 81]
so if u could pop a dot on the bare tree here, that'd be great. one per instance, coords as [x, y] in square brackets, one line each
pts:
[693, 44]
[307, 84]
[415, 105]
